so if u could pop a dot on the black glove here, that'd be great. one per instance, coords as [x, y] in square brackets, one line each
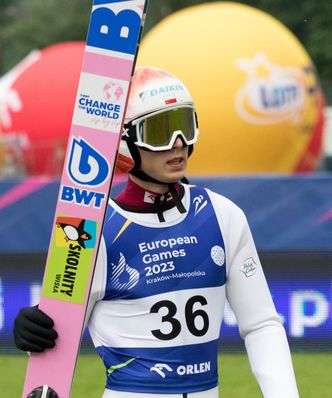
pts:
[33, 330]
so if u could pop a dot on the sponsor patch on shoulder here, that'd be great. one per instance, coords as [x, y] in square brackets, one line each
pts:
[248, 267]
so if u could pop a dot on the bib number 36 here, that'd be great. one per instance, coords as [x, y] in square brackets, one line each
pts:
[191, 316]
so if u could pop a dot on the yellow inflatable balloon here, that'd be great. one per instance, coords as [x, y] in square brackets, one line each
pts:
[257, 94]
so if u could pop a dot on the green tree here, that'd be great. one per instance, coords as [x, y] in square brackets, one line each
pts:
[160, 9]
[311, 23]
[30, 24]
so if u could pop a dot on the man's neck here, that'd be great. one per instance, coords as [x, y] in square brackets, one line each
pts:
[138, 196]
[149, 186]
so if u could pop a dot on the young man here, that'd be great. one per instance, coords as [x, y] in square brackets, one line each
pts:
[170, 256]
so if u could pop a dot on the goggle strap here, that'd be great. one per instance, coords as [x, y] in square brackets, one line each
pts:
[129, 132]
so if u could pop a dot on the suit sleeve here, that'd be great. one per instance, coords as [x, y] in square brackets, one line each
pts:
[99, 280]
[249, 297]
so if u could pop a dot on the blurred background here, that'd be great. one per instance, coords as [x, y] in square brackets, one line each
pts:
[261, 76]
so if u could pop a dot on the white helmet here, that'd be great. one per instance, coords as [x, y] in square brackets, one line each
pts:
[160, 109]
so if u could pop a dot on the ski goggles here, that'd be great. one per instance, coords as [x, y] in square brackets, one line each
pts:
[159, 131]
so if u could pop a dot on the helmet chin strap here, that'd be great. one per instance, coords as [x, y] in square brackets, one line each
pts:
[171, 187]
[140, 174]
[145, 177]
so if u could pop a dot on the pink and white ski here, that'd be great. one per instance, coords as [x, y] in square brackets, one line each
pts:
[111, 49]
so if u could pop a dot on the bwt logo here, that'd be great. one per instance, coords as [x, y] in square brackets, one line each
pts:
[86, 166]
[114, 31]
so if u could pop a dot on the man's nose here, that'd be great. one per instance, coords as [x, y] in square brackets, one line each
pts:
[178, 143]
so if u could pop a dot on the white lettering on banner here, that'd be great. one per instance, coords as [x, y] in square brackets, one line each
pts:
[2, 314]
[299, 319]
[229, 316]
[157, 244]
[35, 291]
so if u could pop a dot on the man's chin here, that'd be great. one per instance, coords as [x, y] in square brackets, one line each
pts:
[174, 177]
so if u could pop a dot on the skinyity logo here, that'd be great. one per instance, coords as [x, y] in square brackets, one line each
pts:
[271, 93]
[218, 255]
[86, 166]
[77, 230]
[159, 368]
[70, 259]
[200, 203]
[248, 267]
[123, 276]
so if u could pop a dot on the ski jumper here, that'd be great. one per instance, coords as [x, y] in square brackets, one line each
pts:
[158, 299]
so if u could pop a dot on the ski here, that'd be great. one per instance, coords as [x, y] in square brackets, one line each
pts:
[111, 49]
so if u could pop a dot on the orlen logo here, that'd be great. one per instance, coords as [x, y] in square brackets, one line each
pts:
[161, 369]
[271, 93]
[191, 369]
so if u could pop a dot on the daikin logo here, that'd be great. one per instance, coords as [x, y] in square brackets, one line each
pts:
[169, 89]
[86, 166]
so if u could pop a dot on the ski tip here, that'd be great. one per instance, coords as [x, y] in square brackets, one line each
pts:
[43, 392]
